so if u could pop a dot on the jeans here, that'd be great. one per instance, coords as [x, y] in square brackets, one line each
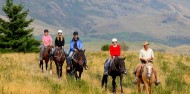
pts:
[69, 57]
[41, 52]
[106, 66]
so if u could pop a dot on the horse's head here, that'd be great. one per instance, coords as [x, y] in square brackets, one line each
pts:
[149, 69]
[58, 54]
[79, 57]
[120, 64]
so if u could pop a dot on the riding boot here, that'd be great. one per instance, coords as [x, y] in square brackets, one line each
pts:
[137, 75]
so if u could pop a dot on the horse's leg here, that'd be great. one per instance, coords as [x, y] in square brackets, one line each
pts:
[51, 67]
[41, 64]
[76, 75]
[104, 81]
[113, 84]
[121, 78]
[57, 68]
[61, 69]
[146, 87]
[46, 64]
[139, 87]
[150, 89]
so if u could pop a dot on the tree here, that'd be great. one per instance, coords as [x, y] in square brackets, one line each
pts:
[15, 35]
[105, 47]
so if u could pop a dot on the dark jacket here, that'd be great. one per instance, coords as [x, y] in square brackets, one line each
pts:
[59, 43]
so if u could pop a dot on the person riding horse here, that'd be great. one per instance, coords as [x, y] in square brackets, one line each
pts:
[75, 45]
[115, 51]
[146, 55]
[46, 41]
[59, 42]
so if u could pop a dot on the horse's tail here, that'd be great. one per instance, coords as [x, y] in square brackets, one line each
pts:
[104, 80]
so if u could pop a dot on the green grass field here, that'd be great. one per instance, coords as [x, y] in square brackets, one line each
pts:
[20, 74]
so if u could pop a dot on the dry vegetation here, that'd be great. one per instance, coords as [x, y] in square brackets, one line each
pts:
[20, 74]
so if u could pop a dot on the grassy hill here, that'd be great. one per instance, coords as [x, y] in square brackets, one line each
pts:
[20, 74]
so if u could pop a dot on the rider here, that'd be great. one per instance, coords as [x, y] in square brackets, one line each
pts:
[146, 55]
[115, 50]
[75, 45]
[46, 41]
[59, 41]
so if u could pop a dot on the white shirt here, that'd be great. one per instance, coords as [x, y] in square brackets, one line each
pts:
[146, 54]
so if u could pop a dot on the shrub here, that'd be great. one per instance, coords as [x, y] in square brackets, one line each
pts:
[105, 47]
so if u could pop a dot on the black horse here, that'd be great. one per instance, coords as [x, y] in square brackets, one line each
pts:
[59, 58]
[116, 69]
[76, 65]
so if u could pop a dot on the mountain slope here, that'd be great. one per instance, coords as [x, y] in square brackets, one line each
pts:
[155, 20]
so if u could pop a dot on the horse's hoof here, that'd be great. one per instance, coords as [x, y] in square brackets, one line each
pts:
[50, 72]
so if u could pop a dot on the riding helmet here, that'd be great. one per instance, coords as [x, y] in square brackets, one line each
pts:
[46, 30]
[75, 33]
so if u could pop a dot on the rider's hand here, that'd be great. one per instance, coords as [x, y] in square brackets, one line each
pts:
[113, 57]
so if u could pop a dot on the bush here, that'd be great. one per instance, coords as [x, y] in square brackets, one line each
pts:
[124, 46]
[105, 47]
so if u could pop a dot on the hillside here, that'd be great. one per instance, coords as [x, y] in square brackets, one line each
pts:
[20, 74]
[162, 21]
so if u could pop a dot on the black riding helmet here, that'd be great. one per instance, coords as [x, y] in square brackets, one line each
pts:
[75, 33]
[46, 30]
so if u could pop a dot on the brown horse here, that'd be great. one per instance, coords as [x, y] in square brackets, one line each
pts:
[46, 57]
[59, 59]
[77, 64]
[147, 78]
[116, 69]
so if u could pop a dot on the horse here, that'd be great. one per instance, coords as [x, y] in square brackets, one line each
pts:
[76, 65]
[59, 58]
[116, 69]
[147, 78]
[46, 57]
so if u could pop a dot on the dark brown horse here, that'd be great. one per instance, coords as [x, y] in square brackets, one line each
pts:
[46, 56]
[116, 69]
[77, 64]
[59, 59]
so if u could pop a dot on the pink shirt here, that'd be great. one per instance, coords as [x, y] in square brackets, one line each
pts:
[47, 40]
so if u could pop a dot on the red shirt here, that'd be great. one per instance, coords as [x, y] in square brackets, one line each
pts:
[115, 51]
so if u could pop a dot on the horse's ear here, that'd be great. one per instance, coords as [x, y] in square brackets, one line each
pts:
[84, 50]
[124, 58]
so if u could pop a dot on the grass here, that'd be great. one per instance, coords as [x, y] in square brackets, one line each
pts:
[20, 74]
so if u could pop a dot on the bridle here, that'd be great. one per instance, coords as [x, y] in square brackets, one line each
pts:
[76, 58]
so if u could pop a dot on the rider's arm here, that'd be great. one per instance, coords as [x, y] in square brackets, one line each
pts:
[152, 56]
[111, 51]
[80, 45]
[55, 41]
[43, 40]
[119, 48]
[63, 42]
[50, 41]
[71, 45]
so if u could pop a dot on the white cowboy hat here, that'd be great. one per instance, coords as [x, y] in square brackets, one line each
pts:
[145, 43]
[114, 40]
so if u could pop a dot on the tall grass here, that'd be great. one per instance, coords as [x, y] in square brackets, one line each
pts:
[20, 74]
